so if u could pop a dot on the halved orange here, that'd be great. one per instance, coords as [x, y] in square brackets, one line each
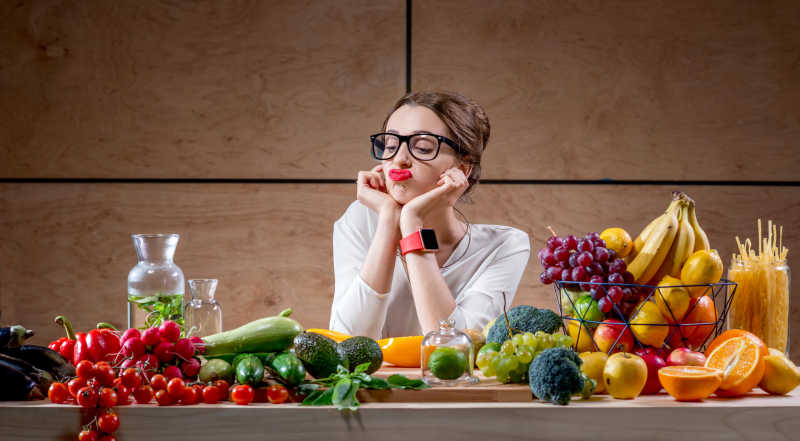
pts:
[742, 364]
[401, 351]
[732, 333]
[690, 383]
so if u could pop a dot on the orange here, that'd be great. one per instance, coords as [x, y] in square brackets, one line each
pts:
[732, 333]
[401, 351]
[702, 311]
[338, 337]
[689, 383]
[742, 365]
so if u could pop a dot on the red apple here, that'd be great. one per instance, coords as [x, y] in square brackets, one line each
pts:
[613, 334]
[686, 357]
[654, 363]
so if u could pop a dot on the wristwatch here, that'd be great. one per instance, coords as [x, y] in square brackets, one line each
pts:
[423, 240]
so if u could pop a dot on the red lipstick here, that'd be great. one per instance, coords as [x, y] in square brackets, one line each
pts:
[398, 174]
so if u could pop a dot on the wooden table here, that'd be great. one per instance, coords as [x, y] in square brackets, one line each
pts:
[656, 417]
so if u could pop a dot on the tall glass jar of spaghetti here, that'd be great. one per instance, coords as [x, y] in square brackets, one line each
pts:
[761, 302]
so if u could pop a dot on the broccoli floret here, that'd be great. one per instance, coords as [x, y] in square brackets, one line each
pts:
[524, 318]
[555, 375]
[589, 386]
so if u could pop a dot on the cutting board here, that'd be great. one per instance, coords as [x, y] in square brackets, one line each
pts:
[488, 390]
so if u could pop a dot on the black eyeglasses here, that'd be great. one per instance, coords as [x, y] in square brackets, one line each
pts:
[422, 146]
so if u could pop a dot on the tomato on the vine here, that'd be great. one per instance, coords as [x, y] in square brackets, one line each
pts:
[87, 397]
[191, 395]
[163, 398]
[242, 394]
[224, 388]
[108, 397]
[109, 438]
[131, 378]
[84, 369]
[123, 393]
[211, 394]
[58, 393]
[104, 373]
[158, 382]
[88, 435]
[176, 387]
[75, 385]
[277, 394]
[108, 422]
[143, 394]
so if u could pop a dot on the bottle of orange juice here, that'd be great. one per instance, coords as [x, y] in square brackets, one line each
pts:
[761, 302]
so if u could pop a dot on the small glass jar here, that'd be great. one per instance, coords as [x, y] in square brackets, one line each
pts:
[203, 312]
[447, 356]
[760, 303]
[155, 285]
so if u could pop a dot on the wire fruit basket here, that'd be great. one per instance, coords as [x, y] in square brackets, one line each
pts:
[686, 331]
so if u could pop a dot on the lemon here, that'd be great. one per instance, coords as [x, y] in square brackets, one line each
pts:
[672, 301]
[593, 365]
[647, 324]
[617, 239]
[580, 335]
[704, 266]
[781, 376]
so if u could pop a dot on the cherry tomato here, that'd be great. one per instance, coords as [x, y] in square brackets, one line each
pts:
[123, 393]
[108, 422]
[143, 394]
[224, 388]
[84, 369]
[108, 397]
[211, 394]
[58, 392]
[176, 387]
[87, 397]
[131, 378]
[242, 394]
[190, 396]
[75, 385]
[109, 438]
[104, 373]
[158, 382]
[88, 435]
[277, 394]
[163, 398]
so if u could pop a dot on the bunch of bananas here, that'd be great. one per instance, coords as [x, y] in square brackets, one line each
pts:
[667, 242]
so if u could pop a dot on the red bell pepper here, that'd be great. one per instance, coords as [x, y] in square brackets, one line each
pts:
[64, 345]
[103, 343]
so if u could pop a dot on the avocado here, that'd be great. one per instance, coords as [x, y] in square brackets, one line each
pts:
[318, 353]
[359, 350]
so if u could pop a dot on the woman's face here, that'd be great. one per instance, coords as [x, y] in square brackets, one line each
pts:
[408, 120]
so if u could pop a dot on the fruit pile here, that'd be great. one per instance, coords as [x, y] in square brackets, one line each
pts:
[509, 361]
[616, 292]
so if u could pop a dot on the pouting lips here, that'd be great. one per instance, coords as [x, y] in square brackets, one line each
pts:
[399, 174]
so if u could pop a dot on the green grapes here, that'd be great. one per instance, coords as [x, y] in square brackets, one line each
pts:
[510, 364]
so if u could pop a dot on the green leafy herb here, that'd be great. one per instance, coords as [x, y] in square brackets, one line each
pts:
[341, 387]
[158, 308]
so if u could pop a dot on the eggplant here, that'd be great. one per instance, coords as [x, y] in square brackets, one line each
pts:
[17, 385]
[43, 358]
[13, 336]
[41, 377]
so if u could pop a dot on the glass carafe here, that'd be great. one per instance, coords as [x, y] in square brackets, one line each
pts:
[203, 312]
[447, 356]
[156, 283]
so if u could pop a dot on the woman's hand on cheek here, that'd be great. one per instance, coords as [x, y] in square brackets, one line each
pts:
[451, 185]
[371, 190]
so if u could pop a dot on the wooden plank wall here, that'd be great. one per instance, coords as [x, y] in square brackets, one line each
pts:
[101, 104]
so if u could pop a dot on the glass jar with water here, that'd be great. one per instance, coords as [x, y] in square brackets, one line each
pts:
[156, 283]
[203, 313]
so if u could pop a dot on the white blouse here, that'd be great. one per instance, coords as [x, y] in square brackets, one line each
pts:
[477, 272]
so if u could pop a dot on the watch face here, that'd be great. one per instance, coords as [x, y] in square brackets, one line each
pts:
[429, 239]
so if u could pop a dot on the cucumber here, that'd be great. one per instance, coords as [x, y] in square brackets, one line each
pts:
[269, 334]
[289, 368]
[250, 371]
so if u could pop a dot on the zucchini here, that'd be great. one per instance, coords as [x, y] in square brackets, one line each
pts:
[249, 370]
[269, 334]
[289, 368]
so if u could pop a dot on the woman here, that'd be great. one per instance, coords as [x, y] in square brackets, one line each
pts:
[391, 278]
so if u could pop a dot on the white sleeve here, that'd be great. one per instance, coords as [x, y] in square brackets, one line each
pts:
[483, 301]
[357, 309]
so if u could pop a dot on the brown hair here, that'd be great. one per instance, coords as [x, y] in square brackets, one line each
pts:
[465, 119]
